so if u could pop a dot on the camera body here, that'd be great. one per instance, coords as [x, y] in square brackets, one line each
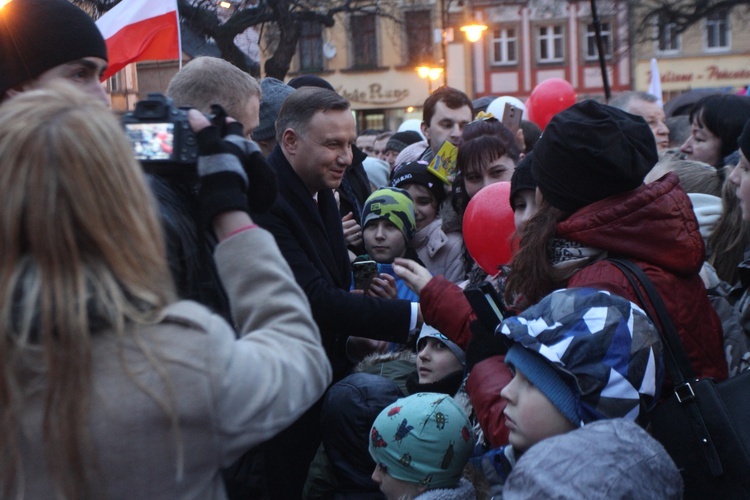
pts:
[160, 133]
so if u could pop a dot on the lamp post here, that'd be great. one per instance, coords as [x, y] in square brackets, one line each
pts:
[473, 32]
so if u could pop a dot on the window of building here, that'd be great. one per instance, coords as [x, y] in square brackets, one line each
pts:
[364, 41]
[504, 45]
[592, 51]
[116, 83]
[550, 44]
[311, 46]
[418, 37]
[717, 30]
[669, 40]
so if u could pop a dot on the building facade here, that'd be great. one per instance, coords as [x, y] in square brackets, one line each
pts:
[529, 42]
[712, 54]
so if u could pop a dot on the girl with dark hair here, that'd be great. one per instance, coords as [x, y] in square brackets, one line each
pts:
[487, 153]
[717, 121]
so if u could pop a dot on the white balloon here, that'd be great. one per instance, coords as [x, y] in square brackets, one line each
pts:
[497, 107]
[412, 124]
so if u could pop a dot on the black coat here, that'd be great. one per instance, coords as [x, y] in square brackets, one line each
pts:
[312, 241]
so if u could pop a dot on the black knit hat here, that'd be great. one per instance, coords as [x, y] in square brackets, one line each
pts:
[592, 151]
[416, 172]
[400, 140]
[743, 141]
[523, 178]
[38, 35]
[310, 81]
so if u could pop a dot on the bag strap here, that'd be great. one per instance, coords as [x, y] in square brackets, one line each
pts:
[677, 361]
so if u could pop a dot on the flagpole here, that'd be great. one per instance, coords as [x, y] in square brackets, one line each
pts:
[654, 86]
[179, 31]
[600, 49]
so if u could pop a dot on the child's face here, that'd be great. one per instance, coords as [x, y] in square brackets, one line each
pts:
[392, 488]
[498, 171]
[529, 415]
[383, 241]
[740, 177]
[425, 205]
[524, 207]
[435, 360]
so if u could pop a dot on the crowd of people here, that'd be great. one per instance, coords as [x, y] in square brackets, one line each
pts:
[196, 331]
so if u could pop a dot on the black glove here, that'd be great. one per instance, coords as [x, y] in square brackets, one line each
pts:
[262, 189]
[483, 344]
[223, 180]
[234, 175]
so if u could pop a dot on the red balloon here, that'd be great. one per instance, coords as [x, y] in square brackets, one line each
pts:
[549, 98]
[488, 227]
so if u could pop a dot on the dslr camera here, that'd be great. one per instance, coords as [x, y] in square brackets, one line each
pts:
[160, 134]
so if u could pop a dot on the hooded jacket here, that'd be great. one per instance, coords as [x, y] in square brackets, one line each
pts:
[655, 227]
[605, 459]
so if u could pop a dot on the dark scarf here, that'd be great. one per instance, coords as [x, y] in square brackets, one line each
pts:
[446, 385]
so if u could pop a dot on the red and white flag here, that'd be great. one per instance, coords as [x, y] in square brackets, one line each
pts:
[140, 30]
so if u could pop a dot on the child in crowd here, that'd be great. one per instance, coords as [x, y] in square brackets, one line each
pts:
[523, 192]
[439, 247]
[613, 459]
[420, 445]
[578, 356]
[388, 221]
[351, 405]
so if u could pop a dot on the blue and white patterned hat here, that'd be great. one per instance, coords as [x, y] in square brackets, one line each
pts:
[603, 347]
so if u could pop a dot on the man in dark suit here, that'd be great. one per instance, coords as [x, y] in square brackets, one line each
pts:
[315, 132]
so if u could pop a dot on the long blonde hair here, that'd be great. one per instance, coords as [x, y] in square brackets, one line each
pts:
[81, 251]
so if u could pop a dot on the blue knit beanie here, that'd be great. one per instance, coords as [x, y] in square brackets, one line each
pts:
[545, 378]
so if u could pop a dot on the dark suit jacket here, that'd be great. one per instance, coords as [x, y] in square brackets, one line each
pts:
[312, 241]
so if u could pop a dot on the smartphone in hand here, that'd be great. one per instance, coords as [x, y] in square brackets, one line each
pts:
[364, 272]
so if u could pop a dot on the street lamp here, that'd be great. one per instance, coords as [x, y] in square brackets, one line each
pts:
[429, 73]
[473, 31]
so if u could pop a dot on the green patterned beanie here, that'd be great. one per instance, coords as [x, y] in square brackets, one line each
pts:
[393, 204]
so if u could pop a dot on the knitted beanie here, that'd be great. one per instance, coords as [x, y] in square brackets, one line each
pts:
[273, 94]
[393, 204]
[38, 35]
[602, 347]
[592, 151]
[400, 140]
[416, 172]
[523, 178]
[378, 171]
[310, 81]
[429, 332]
[545, 378]
[425, 439]
[743, 141]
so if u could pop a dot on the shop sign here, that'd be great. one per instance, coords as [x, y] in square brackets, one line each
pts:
[374, 94]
